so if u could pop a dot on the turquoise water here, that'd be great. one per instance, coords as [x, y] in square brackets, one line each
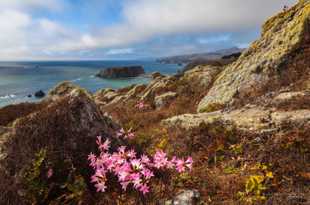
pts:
[19, 79]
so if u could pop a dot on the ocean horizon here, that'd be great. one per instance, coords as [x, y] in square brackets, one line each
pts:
[23, 78]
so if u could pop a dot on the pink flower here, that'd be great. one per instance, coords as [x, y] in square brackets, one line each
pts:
[160, 159]
[124, 185]
[122, 149]
[122, 176]
[129, 168]
[145, 159]
[98, 141]
[131, 154]
[92, 159]
[105, 145]
[94, 179]
[136, 164]
[130, 135]
[141, 105]
[189, 163]
[125, 135]
[136, 179]
[144, 189]
[101, 187]
[180, 165]
[148, 174]
[49, 173]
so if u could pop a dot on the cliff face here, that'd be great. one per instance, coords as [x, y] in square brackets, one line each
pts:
[280, 57]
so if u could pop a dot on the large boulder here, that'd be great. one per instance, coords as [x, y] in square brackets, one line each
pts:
[164, 99]
[157, 87]
[39, 94]
[65, 88]
[105, 96]
[280, 57]
[121, 72]
[109, 96]
[66, 129]
[155, 75]
[202, 75]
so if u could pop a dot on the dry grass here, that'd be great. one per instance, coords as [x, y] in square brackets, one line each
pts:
[12, 112]
[219, 171]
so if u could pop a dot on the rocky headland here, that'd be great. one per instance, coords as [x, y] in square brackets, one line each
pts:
[246, 125]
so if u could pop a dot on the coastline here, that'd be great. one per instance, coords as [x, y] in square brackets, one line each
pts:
[46, 75]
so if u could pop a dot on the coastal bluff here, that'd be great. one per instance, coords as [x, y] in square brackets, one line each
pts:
[121, 72]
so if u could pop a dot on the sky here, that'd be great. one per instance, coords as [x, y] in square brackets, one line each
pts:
[128, 29]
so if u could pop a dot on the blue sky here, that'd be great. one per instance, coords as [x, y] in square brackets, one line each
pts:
[127, 29]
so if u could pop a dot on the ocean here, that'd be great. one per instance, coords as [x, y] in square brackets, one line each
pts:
[19, 79]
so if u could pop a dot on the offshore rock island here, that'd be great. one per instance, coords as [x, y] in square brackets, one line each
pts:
[121, 72]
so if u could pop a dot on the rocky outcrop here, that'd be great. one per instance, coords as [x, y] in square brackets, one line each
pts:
[65, 88]
[109, 96]
[66, 129]
[202, 75]
[219, 62]
[156, 75]
[232, 56]
[162, 89]
[164, 99]
[292, 100]
[121, 72]
[249, 120]
[157, 87]
[262, 99]
[39, 94]
[279, 58]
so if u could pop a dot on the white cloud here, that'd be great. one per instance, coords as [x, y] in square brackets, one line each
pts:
[28, 4]
[145, 19]
[243, 45]
[215, 39]
[21, 35]
[25, 36]
[120, 51]
[12, 35]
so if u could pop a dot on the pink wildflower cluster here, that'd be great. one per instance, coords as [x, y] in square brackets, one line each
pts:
[130, 169]
[125, 134]
[141, 105]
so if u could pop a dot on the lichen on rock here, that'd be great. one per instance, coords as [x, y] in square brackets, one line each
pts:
[278, 58]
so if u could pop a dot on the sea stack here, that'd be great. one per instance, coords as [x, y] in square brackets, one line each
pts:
[121, 72]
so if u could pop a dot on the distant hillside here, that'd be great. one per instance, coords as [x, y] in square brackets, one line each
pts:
[199, 56]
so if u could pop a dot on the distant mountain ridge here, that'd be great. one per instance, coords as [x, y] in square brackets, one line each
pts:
[180, 59]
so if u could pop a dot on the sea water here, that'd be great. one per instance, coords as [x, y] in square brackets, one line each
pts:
[20, 79]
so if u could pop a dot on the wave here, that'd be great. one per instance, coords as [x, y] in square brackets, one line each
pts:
[75, 80]
[11, 96]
